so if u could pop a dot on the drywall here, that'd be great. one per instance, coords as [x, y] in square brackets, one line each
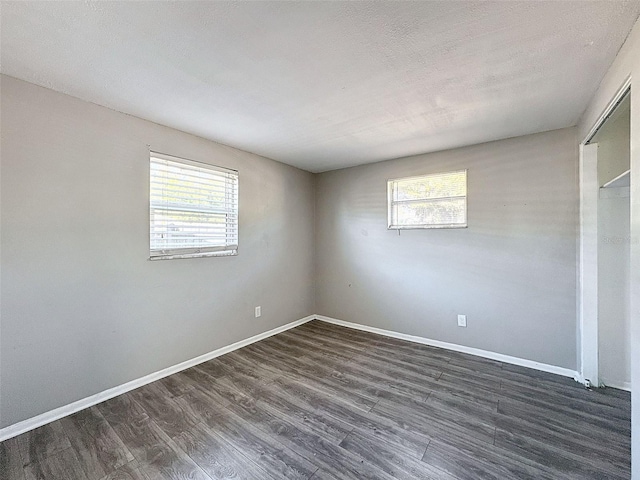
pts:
[325, 85]
[512, 271]
[614, 323]
[613, 144]
[627, 66]
[83, 309]
[614, 340]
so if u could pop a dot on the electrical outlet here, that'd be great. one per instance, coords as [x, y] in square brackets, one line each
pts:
[462, 320]
[258, 311]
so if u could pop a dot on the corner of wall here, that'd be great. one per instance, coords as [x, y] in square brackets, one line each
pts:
[314, 246]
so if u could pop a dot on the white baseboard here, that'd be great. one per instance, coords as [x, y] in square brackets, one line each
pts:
[57, 413]
[48, 417]
[619, 385]
[565, 372]
[578, 377]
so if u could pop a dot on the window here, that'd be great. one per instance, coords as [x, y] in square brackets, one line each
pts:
[193, 209]
[428, 201]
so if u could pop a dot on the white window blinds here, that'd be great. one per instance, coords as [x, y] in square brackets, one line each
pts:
[428, 201]
[193, 209]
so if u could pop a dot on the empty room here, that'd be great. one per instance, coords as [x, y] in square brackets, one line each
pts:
[319, 240]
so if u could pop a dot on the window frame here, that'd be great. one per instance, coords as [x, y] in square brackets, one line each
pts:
[193, 252]
[391, 203]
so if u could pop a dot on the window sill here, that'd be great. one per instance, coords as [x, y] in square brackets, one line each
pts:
[423, 227]
[230, 253]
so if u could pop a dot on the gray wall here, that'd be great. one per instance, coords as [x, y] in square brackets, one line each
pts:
[614, 321]
[83, 309]
[512, 272]
[614, 154]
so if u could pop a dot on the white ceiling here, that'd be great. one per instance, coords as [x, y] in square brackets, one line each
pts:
[325, 85]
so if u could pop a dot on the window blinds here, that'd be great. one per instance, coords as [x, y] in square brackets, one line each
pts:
[428, 201]
[193, 208]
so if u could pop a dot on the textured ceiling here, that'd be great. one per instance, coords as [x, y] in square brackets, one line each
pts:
[324, 85]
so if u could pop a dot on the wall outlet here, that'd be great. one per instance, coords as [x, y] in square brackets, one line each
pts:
[258, 311]
[462, 320]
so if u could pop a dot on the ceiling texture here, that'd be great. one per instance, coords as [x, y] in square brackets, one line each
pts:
[325, 85]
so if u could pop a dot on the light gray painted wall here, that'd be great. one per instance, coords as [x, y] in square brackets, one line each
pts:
[512, 272]
[614, 155]
[614, 323]
[614, 336]
[625, 66]
[83, 309]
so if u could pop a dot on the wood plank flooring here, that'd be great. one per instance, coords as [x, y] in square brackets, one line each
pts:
[326, 402]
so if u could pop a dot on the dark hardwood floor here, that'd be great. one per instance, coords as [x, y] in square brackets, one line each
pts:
[321, 401]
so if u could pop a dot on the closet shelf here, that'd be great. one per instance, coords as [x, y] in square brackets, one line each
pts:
[622, 180]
